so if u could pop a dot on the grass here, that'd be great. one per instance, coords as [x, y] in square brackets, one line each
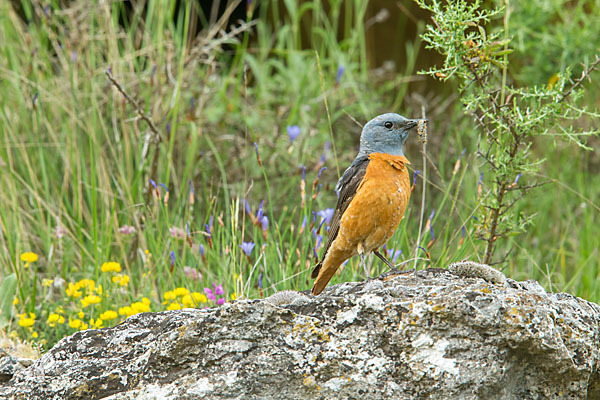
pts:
[77, 161]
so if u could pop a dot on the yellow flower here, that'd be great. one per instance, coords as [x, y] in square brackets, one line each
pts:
[90, 299]
[187, 301]
[181, 291]
[174, 306]
[74, 323]
[122, 280]
[97, 323]
[54, 318]
[108, 315]
[34, 334]
[199, 297]
[47, 282]
[169, 295]
[139, 307]
[126, 311]
[73, 290]
[26, 321]
[29, 257]
[111, 266]
[146, 301]
[83, 326]
[233, 296]
[87, 283]
[15, 301]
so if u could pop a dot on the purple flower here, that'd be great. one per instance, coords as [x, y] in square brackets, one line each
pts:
[163, 186]
[326, 214]
[218, 289]
[247, 207]
[256, 148]
[320, 171]
[417, 172]
[319, 241]
[172, 258]
[221, 301]
[431, 215]
[431, 232]
[201, 250]
[325, 148]
[517, 179]
[209, 294]
[192, 102]
[303, 168]
[260, 280]
[393, 254]
[463, 231]
[264, 222]
[259, 212]
[247, 247]
[303, 223]
[340, 72]
[153, 184]
[208, 227]
[293, 132]
[480, 178]
[168, 127]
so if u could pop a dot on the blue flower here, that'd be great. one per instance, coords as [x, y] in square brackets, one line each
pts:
[326, 214]
[247, 247]
[340, 72]
[293, 132]
[260, 280]
[264, 222]
[393, 254]
[417, 172]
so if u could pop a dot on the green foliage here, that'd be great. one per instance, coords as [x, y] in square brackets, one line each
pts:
[8, 288]
[509, 117]
[77, 157]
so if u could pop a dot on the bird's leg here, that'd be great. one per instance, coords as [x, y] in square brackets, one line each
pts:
[382, 258]
[361, 253]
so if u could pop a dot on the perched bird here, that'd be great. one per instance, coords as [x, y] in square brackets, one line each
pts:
[373, 194]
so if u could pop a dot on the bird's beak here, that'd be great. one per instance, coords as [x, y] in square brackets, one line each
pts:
[411, 123]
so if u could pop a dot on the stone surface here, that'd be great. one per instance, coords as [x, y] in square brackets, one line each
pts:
[434, 335]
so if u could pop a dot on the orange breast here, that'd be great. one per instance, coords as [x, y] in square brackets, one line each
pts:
[379, 204]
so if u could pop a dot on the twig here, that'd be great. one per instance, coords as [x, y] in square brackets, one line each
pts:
[424, 175]
[135, 105]
[584, 75]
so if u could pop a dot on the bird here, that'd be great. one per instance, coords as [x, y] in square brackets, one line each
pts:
[372, 196]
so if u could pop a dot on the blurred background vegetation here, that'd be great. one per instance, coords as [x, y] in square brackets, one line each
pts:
[210, 182]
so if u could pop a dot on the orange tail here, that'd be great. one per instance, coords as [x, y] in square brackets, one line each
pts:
[326, 268]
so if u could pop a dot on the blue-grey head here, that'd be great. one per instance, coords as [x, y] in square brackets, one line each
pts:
[385, 133]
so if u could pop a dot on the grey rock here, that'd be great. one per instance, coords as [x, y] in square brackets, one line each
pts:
[9, 365]
[432, 334]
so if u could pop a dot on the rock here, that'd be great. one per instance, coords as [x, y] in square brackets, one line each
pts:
[400, 336]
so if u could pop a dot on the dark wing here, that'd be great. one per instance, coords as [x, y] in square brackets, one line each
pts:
[346, 187]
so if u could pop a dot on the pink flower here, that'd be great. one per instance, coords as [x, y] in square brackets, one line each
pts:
[177, 233]
[192, 273]
[127, 230]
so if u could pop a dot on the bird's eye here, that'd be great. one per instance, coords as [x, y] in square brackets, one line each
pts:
[388, 124]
